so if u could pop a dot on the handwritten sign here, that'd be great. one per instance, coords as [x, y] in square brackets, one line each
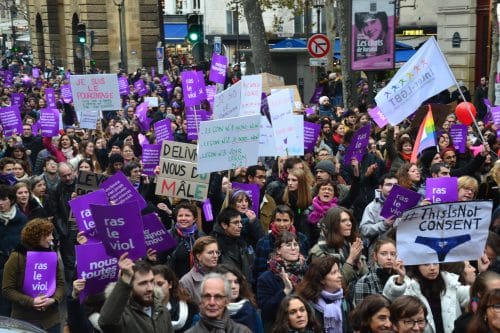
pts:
[267, 147]
[442, 189]
[445, 232]
[179, 151]
[227, 103]
[251, 91]
[88, 119]
[281, 110]
[399, 200]
[88, 182]
[95, 92]
[40, 273]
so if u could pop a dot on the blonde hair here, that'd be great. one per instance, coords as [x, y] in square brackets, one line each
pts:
[468, 182]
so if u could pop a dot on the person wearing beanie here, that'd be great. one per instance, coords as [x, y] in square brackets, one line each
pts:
[115, 164]
[325, 109]
[325, 170]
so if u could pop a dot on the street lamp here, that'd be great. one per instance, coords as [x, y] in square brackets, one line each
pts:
[123, 48]
[318, 4]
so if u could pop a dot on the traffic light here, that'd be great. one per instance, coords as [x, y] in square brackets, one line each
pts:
[81, 33]
[195, 28]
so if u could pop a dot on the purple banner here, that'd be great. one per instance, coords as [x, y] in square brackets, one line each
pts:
[66, 94]
[120, 228]
[193, 119]
[119, 190]
[218, 69]
[40, 273]
[11, 120]
[49, 122]
[202, 89]
[378, 117]
[253, 191]
[35, 72]
[163, 130]
[318, 91]
[399, 200]
[80, 206]
[458, 134]
[17, 99]
[358, 146]
[140, 88]
[150, 158]
[155, 234]
[95, 266]
[123, 86]
[190, 88]
[50, 98]
[311, 132]
[442, 189]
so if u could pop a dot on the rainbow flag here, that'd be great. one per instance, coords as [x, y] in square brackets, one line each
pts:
[426, 136]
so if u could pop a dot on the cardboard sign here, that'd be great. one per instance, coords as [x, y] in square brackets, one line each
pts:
[88, 182]
[95, 92]
[281, 110]
[399, 200]
[267, 147]
[182, 170]
[88, 119]
[179, 151]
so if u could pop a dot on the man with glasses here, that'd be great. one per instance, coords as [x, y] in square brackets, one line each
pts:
[256, 174]
[215, 296]
[234, 250]
[449, 157]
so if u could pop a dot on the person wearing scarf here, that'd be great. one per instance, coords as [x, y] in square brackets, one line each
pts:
[324, 199]
[286, 269]
[321, 287]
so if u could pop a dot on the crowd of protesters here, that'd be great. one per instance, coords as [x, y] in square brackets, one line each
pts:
[316, 257]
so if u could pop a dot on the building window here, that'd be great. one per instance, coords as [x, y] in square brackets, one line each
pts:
[298, 24]
[179, 6]
[231, 17]
[196, 5]
[323, 21]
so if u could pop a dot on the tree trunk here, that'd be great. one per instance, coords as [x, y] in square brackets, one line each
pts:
[348, 76]
[261, 57]
[494, 66]
[331, 30]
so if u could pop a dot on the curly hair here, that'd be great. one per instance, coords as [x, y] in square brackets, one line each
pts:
[33, 232]
[310, 287]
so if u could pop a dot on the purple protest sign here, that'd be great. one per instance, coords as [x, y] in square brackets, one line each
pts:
[458, 134]
[26, 80]
[66, 94]
[123, 86]
[150, 158]
[164, 80]
[35, 72]
[140, 87]
[95, 266]
[67, 74]
[190, 88]
[358, 146]
[119, 190]
[378, 117]
[155, 234]
[11, 120]
[487, 102]
[142, 139]
[35, 127]
[399, 200]
[163, 130]
[49, 122]
[218, 69]
[141, 112]
[120, 229]
[8, 79]
[318, 91]
[80, 206]
[17, 99]
[253, 191]
[50, 98]
[193, 119]
[202, 89]
[442, 189]
[40, 273]
[311, 132]
[207, 210]
[495, 113]
[309, 111]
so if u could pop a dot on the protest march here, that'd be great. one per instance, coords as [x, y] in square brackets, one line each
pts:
[211, 201]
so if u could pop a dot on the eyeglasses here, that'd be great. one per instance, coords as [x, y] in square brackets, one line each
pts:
[217, 298]
[291, 245]
[236, 222]
[496, 307]
[409, 323]
[213, 253]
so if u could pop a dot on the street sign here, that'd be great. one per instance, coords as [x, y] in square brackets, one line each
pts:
[217, 44]
[318, 45]
[317, 62]
[160, 53]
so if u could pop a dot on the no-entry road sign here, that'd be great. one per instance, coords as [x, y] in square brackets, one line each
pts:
[318, 45]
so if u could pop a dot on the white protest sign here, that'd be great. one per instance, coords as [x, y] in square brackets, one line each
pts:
[227, 103]
[228, 143]
[152, 101]
[281, 110]
[267, 147]
[296, 147]
[445, 232]
[95, 92]
[88, 119]
[251, 94]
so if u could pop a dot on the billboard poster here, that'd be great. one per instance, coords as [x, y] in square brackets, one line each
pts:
[372, 38]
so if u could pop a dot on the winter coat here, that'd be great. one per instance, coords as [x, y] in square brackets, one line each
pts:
[269, 296]
[231, 327]
[192, 282]
[247, 315]
[10, 236]
[178, 259]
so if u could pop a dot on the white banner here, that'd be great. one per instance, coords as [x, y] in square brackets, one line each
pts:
[447, 232]
[95, 92]
[423, 76]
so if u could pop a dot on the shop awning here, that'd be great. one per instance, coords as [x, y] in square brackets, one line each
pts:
[175, 32]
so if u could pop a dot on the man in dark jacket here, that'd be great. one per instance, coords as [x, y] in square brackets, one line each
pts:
[32, 143]
[132, 305]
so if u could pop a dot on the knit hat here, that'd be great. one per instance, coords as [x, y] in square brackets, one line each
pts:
[447, 149]
[326, 165]
[116, 158]
[323, 99]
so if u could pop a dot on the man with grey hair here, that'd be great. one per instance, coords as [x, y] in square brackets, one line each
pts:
[215, 293]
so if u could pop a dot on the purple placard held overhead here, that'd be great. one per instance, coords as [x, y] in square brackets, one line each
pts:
[67, 74]
[141, 111]
[318, 91]
[378, 117]
[201, 86]
[80, 206]
[190, 88]
[140, 87]
[358, 146]
[458, 134]
[123, 86]
[309, 111]
[119, 190]
[49, 122]
[17, 99]
[11, 120]
[8, 79]
[26, 80]
[150, 158]
[50, 98]
[155, 234]
[193, 119]
[311, 132]
[35, 72]
[207, 210]
[253, 191]
[95, 266]
[218, 68]
[66, 94]
[120, 229]
[442, 189]
[163, 130]
[495, 113]
[40, 273]
[164, 80]
[399, 200]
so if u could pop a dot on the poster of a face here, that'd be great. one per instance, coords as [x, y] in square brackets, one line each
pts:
[372, 35]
